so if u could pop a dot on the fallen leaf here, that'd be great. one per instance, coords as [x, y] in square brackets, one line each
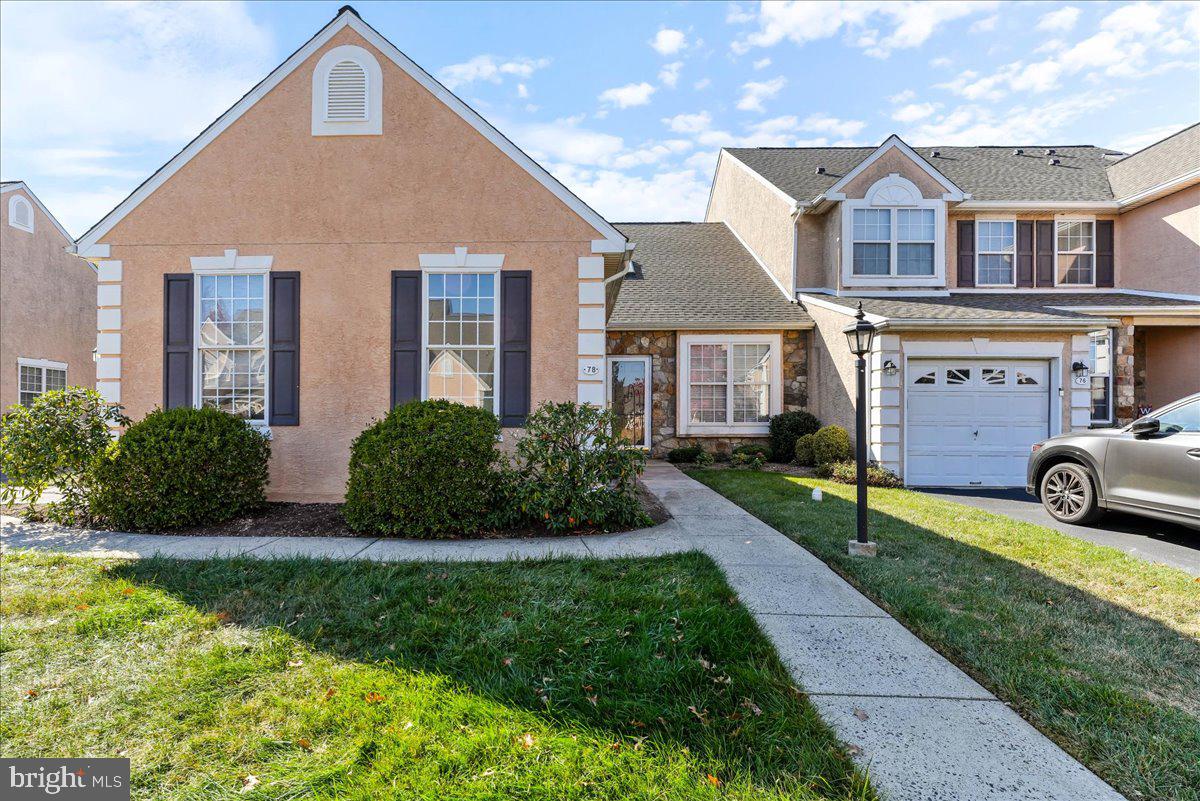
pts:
[127, 591]
[753, 707]
[332, 691]
[852, 749]
[82, 607]
[593, 699]
[249, 783]
[305, 743]
[861, 714]
[615, 746]
[31, 694]
[222, 617]
[508, 660]
[704, 663]
[526, 740]
[506, 613]
[701, 716]
[637, 724]
[295, 663]
[373, 697]
[714, 781]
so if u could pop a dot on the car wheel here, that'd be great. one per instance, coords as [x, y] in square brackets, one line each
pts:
[1069, 495]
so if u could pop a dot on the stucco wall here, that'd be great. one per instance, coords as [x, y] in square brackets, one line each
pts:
[47, 302]
[832, 381]
[890, 162]
[345, 211]
[1158, 245]
[757, 213]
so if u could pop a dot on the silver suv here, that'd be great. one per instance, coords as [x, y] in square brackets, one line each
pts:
[1150, 467]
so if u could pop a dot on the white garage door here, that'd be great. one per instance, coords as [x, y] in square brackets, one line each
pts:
[970, 423]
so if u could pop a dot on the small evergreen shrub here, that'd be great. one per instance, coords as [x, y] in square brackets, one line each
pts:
[181, 467]
[427, 469]
[55, 441]
[752, 460]
[846, 473]
[684, 455]
[753, 449]
[704, 459]
[786, 428]
[803, 454]
[831, 444]
[575, 472]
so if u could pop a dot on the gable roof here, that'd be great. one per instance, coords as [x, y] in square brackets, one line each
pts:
[986, 173]
[893, 142]
[698, 276]
[347, 17]
[9, 186]
[1168, 160]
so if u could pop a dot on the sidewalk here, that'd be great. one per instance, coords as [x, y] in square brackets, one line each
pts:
[924, 729]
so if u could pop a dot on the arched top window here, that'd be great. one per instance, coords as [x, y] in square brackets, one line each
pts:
[347, 93]
[20, 213]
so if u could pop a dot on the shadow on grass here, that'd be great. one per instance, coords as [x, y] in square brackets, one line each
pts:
[1096, 648]
[649, 665]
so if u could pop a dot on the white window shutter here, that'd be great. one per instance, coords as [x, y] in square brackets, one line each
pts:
[346, 93]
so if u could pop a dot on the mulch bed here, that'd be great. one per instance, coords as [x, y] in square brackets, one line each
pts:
[769, 467]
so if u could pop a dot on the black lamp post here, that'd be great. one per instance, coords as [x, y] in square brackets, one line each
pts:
[859, 336]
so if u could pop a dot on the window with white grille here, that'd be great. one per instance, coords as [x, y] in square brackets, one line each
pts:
[36, 377]
[346, 93]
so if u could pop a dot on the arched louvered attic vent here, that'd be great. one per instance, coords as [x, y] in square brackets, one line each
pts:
[20, 213]
[346, 93]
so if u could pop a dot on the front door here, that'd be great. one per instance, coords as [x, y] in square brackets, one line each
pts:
[1159, 471]
[629, 396]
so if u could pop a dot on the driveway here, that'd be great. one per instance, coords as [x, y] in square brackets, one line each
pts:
[1142, 537]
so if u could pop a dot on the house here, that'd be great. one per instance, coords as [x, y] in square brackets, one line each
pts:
[350, 235]
[47, 302]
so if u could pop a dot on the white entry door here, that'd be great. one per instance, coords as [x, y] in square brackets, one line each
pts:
[971, 423]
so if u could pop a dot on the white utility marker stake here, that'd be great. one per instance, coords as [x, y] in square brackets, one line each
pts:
[817, 494]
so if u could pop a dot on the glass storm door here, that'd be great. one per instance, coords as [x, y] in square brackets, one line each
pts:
[629, 396]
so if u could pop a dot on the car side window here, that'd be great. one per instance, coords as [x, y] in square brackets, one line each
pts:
[1183, 418]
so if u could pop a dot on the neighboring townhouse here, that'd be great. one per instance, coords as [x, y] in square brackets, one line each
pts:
[1019, 291]
[47, 302]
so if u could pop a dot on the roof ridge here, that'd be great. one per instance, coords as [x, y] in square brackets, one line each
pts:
[1160, 141]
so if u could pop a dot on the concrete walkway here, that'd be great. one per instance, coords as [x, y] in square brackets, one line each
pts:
[921, 727]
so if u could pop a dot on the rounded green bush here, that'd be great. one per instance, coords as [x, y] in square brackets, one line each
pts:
[803, 454]
[831, 444]
[786, 428]
[427, 469]
[684, 455]
[181, 467]
[847, 473]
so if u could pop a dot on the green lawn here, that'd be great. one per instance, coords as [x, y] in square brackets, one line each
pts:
[629, 679]
[1099, 650]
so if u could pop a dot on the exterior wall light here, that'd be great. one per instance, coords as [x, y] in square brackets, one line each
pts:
[890, 368]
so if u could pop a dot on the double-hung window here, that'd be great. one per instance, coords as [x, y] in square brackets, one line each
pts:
[1076, 253]
[461, 332]
[995, 247]
[232, 343]
[1101, 377]
[893, 242]
[37, 377]
[731, 383]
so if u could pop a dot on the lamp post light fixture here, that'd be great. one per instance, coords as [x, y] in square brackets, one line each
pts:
[859, 335]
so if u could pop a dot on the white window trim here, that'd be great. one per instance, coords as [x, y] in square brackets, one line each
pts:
[1109, 418]
[43, 365]
[373, 124]
[648, 411]
[980, 252]
[198, 363]
[13, 203]
[451, 270]
[894, 192]
[683, 391]
[1059, 218]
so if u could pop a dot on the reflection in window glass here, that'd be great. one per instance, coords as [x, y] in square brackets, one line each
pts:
[1183, 418]
[956, 376]
[461, 336]
[627, 386]
[1076, 251]
[996, 248]
[233, 363]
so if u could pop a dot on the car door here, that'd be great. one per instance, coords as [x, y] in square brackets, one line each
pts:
[1160, 471]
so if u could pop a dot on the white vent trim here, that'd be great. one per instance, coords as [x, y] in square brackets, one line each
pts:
[20, 213]
[347, 93]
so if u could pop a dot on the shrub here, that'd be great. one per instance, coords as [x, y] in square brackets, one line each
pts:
[804, 450]
[684, 455]
[575, 471]
[846, 473]
[55, 441]
[427, 469]
[754, 461]
[786, 428]
[181, 467]
[704, 459]
[753, 449]
[830, 444]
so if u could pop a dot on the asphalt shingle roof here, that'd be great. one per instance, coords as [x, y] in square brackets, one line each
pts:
[1176, 155]
[987, 173]
[1025, 305]
[697, 274]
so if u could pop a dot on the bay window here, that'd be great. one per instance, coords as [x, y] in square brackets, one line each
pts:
[232, 343]
[460, 337]
[730, 383]
[1076, 253]
[995, 247]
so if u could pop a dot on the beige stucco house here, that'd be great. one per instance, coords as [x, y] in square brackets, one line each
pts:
[350, 235]
[47, 302]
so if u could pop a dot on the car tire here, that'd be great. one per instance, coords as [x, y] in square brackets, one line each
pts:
[1069, 494]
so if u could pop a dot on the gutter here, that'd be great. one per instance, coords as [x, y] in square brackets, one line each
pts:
[790, 325]
[1009, 324]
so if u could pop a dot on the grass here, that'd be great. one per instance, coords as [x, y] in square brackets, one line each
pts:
[573, 679]
[1100, 650]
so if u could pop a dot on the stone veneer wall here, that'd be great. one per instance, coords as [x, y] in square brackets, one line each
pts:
[1125, 380]
[660, 346]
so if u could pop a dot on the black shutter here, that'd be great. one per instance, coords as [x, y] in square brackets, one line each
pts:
[1024, 252]
[515, 364]
[285, 349]
[177, 340]
[1104, 253]
[1045, 253]
[966, 253]
[406, 336]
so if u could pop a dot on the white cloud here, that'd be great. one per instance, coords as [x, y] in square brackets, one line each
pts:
[736, 15]
[565, 141]
[669, 41]
[1062, 19]
[702, 84]
[669, 74]
[1133, 142]
[940, 62]
[668, 195]
[985, 25]
[633, 94]
[762, 63]
[488, 68]
[903, 97]
[689, 123]
[522, 91]
[832, 126]
[1021, 124]
[913, 112]
[755, 92]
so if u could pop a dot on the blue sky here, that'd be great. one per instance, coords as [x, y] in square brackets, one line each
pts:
[627, 103]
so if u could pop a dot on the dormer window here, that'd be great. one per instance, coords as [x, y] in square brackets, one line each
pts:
[893, 236]
[20, 213]
[347, 93]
